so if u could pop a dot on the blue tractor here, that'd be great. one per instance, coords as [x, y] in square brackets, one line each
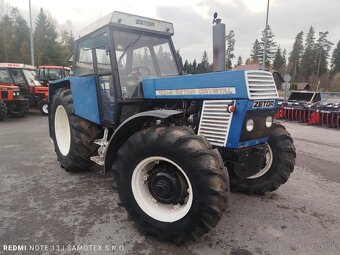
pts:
[175, 143]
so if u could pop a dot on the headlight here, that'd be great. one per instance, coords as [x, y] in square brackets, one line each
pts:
[250, 125]
[269, 121]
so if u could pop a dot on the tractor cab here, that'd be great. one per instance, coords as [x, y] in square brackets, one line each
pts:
[51, 73]
[121, 50]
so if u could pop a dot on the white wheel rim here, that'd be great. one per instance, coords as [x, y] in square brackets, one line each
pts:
[269, 162]
[145, 200]
[62, 130]
[45, 108]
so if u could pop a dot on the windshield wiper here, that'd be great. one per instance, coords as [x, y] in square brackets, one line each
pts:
[129, 46]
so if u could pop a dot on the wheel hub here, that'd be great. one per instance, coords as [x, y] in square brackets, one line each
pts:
[166, 185]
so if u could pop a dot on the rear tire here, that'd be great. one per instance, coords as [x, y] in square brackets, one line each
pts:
[73, 136]
[3, 110]
[158, 151]
[279, 165]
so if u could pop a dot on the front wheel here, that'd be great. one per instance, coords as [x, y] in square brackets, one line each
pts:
[73, 136]
[3, 110]
[278, 165]
[172, 183]
[20, 109]
[43, 107]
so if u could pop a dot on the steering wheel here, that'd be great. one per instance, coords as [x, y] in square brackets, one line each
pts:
[138, 69]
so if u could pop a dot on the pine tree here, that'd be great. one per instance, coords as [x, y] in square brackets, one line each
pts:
[336, 59]
[295, 55]
[186, 66]
[279, 61]
[239, 61]
[7, 39]
[194, 67]
[204, 65]
[322, 48]
[45, 41]
[284, 55]
[308, 59]
[66, 43]
[180, 60]
[21, 38]
[230, 43]
[270, 48]
[256, 52]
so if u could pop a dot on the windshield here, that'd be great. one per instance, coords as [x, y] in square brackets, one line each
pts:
[31, 77]
[142, 55]
[53, 74]
[5, 78]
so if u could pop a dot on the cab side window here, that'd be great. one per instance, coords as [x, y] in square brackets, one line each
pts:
[84, 58]
[101, 48]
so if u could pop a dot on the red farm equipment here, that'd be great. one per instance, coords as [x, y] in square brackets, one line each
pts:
[11, 100]
[24, 76]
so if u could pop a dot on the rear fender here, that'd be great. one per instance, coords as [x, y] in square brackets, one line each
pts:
[128, 128]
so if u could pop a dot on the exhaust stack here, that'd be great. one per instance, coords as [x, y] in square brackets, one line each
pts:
[218, 45]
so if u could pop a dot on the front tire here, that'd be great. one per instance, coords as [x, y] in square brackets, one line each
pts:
[279, 164]
[20, 110]
[172, 183]
[73, 136]
[3, 110]
[43, 107]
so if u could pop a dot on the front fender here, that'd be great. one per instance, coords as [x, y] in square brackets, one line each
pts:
[129, 127]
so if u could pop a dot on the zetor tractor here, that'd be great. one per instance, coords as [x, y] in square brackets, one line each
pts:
[174, 143]
[24, 76]
[11, 101]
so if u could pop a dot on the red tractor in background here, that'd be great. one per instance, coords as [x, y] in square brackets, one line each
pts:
[24, 76]
[11, 100]
[51, 73]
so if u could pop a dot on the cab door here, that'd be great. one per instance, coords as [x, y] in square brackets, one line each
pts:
[105, 80]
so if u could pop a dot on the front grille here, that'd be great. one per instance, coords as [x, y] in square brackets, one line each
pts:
[215, 121]
[4, 94]
[260, 85]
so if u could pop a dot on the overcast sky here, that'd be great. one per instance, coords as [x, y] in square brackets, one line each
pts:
[192, 19]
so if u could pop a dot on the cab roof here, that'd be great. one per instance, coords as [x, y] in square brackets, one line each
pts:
[121, 19]
[56, 67]
[17, 65]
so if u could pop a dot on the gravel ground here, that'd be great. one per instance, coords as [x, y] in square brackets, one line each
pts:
[44, 208]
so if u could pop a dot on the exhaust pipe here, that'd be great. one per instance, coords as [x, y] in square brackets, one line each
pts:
[218, 45]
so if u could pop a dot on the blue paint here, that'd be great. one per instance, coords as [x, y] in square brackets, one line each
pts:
[237, 123]
[85, 101]
[84, 94]
[234, 79]
[242, 106]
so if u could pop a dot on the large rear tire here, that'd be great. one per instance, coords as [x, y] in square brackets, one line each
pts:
[279, 164]
[3, 110]
[172, 183]
[73, 136]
